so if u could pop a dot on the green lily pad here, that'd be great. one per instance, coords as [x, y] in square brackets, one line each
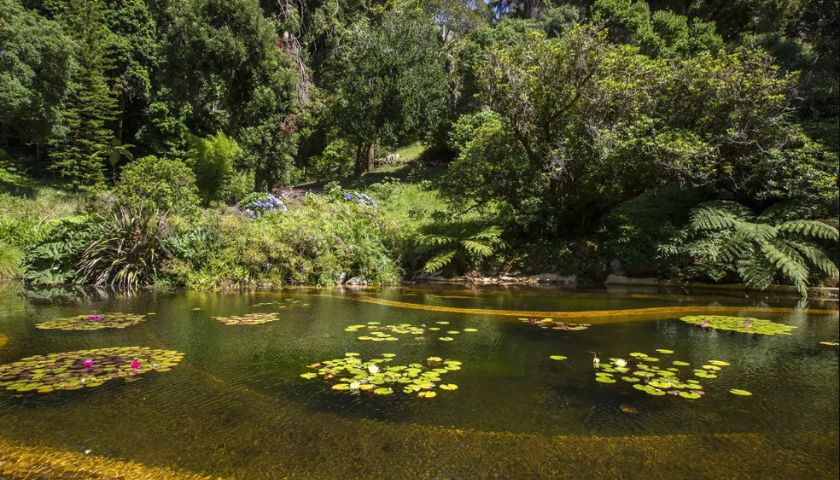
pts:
[830, 344]
[308, 376]
[471, 330]
[719, 363]
[740, 324]
[446, 339]
[92, 321]
[690, 395]
[738, 391]
[679, 363]
[249, 319]
[558, 357]
[84, 368]
[664, 351]
[449, 386]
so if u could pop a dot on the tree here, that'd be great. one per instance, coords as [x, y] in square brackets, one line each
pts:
[598, 124]
[36, 62]
[91, 104]
[226, 61]
[389, 83]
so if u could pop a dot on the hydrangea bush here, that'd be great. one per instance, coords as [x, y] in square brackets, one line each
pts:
[359, 198]
[257, 204]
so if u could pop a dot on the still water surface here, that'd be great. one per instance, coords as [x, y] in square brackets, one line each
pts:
[236, 406]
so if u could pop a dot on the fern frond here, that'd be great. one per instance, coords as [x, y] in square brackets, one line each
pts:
[492, 233]
[477, 249]
[439, 261]
[434, 240]
[810, 228]
[710, 218]
[756, 272]
[817, 257]
[789, 262]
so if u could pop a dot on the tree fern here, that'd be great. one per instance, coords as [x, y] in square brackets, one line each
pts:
[726, 237]
[467, 242]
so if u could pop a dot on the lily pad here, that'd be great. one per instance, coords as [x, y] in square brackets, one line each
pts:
[248, 319]
[471, 330]
[380, 377]
[446, 339]
[664, 351]
[558, 357]
[84, 368]
[653, 379]
[554, 324]
[756, 326]
[738, 391]
[95, 321]
[830, 344]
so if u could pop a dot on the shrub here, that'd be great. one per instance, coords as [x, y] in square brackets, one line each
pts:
[53, 260]
[318, 242]
[10, 258]
[212, 159]
[726, 237]
[126, 249]
[152, 183]
[258, 204]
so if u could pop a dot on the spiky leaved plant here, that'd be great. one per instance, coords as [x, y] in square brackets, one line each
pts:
[465, 243]
[126, 250]
[726, 237]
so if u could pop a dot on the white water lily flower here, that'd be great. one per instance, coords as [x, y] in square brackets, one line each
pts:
[620, 362]
[373, 369]
[355, 385]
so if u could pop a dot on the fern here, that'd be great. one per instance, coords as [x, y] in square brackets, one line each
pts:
[467, 242]
[726, 237]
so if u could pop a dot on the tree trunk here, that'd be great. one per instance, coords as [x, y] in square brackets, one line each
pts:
[371, 156]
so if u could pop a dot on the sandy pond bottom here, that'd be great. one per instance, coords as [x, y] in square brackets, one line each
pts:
[236, 406]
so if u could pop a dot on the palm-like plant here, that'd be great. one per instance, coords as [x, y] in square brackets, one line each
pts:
[126, 250]
[724, 237]
[465, 243]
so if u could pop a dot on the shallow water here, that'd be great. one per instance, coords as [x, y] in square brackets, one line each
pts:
[236, 406]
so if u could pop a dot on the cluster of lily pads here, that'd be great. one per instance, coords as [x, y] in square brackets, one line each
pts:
[657, 377]
[739, 324]
[377, 332]
[284, 303]
[248, 319]
[553, 324]
[94, 321]
[84, 368]
[377, 376]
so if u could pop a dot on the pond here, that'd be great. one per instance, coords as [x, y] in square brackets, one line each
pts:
[516, 390]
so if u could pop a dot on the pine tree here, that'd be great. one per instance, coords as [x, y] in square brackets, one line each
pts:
[91, 104]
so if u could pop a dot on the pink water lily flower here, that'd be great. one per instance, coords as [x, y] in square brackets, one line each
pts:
[88, 363]
[705, 324]
[135, 365]
[94, 317]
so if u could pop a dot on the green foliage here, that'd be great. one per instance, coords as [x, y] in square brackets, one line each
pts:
[53, 260]
[35, 70]
[633, 231]
[212, 159]
[466, 244]
[90, 104]
[125, 251]
[658, 33]
[390, 84]
[336, 161]
[165, 133]
[726, 237]
[318, 242]
[152, 183]
[225, 60]
[10, 258]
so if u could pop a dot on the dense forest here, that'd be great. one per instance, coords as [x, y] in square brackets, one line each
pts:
[217, 143]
